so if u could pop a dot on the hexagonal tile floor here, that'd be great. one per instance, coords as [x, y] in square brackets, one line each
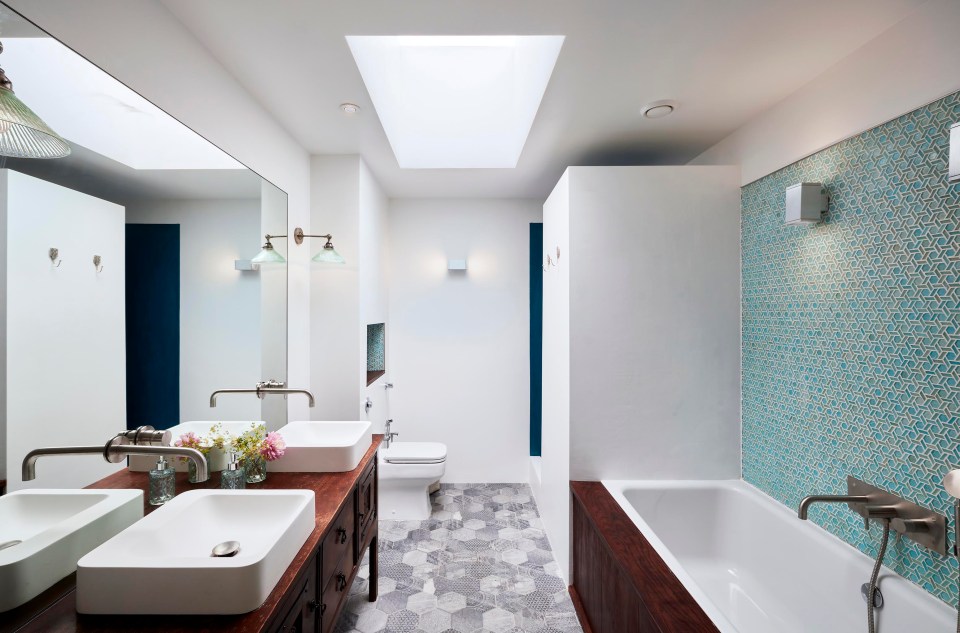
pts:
[480, 563]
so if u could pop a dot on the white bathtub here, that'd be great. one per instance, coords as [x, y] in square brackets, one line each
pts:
[754, 567]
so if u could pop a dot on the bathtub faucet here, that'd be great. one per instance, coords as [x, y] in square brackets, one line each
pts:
[871, 506]
[812, 499]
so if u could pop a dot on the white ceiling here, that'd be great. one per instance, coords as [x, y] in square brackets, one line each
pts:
[723, 61]
[96, 175]
[85, 105]
[140, 152]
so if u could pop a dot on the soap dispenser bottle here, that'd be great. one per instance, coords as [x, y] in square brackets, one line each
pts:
[162, 483]
[233, 478]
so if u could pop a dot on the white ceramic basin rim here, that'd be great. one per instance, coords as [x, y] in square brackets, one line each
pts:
[320, 446]
[164, 563]
[56, 528]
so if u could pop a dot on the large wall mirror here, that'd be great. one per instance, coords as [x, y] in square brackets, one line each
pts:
[129, 291]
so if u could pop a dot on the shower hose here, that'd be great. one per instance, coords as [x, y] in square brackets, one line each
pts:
[871, 592]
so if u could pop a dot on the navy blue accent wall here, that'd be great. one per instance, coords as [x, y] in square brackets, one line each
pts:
[153, 324]
[536, 336]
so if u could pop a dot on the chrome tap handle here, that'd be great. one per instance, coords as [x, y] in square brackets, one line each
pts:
[912, 526]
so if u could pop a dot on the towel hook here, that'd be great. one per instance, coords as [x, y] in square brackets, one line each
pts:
[54, 254]
[96, 263]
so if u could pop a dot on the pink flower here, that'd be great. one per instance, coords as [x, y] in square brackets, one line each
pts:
[273, 447]
[188, 440]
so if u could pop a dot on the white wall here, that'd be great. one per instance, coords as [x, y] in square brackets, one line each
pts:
[144, 46]
[219, 306]
[347, 201]
[654, 323]
[335, 289]
[553, 496]
[273, 304]
[641, 331]
[459, 343]
[65, 336]
[374, 299]
[911, 64]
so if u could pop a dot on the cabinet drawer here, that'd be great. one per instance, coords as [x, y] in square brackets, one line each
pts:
[338, 541]
[367, 498]
[301, 613]
[335, 591]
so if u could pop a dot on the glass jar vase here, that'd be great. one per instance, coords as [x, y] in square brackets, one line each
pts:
[256, 469]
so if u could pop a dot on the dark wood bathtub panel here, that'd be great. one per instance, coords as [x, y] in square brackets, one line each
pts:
[622, 583]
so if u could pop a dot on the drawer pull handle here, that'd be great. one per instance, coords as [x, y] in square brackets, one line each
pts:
[315, 604]
[360, 517]
[341, 535]
[341, 581]
[323, 608]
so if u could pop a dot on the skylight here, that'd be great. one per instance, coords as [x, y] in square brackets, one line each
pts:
[88, 107]
[456, 101]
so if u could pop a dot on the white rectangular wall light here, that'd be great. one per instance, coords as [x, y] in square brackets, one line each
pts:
[806, 203]
[456, 264]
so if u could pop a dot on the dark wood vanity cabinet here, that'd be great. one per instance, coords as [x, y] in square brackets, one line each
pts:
[302, 613]
[308, 598]
[326, 581]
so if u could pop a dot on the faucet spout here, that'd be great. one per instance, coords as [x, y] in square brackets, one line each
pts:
[812, 499]
[29, 465]
[263, 389]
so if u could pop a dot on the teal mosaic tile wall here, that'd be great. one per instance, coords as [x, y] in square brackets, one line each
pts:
[851, 331]
[376, 354]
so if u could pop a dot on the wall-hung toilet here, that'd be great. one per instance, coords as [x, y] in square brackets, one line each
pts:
[407, 469]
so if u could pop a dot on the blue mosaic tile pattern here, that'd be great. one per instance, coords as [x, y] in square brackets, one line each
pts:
[376, 357]
[851, 331]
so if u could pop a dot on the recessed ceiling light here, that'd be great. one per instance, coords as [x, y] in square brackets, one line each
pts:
[350, 108]
[659, 109]
[449, 102]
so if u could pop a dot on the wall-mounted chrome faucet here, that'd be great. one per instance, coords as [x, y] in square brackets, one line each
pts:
[114, 451]
[906, 518]
[812, 499]
[262, 390]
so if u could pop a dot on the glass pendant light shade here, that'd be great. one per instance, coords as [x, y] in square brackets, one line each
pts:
[328, 255]
[22, 133]
[268, 255]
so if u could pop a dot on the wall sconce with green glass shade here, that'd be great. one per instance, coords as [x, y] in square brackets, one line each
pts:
[327, 255]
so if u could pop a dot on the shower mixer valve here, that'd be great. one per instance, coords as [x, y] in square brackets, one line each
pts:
[921, 525]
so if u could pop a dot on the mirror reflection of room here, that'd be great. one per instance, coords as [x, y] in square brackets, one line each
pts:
[151, 302]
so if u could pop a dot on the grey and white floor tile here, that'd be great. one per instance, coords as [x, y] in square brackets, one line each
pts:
[480, 563]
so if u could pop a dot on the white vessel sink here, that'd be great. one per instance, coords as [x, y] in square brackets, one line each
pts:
[216, 459]
[56, 528]
[322, 447]
[163, 564]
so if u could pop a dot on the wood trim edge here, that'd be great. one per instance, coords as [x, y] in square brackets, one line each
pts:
[666, 600]
[578, 607]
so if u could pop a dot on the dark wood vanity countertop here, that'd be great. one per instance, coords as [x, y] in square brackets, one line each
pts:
[55, 611]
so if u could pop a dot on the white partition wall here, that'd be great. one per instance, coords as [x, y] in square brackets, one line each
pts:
[65, 333]
[641, 330]
[554, 491]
